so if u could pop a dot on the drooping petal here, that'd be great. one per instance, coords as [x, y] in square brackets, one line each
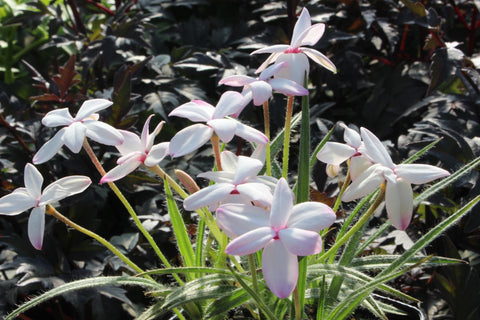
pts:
[250, 242]
[399, 203]
[271, 59]
[156, 154]
[208, 196]
[59, 117]
[224, 128]
[296, 69]
[358, 164]
[33, 181]
[195, 110]
[261, 92]
[229, 161]
[288, 87]
[131, 143]
[282, 204]
[260, 152]
[237, 80]
[374, 149]
[121, 170]
[278, 48]
[366, 183]
[246, 167]
[420, 173]
[319, 58]
[229, 103]
[50, 148]
[237, 219]
[256, 192]
[16, 202]
[103, 133]
[301, 242]
[351, 137]
[92, 106]
[250, 134]
[63, 188]
[280, 269]
[74, 136]
[335, 153]
[189, 139]
[311, 35]
[313, 216]
[270, 71]
[302, 25]
[36, 227]
[137, 155]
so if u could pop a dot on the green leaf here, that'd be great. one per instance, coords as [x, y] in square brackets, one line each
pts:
[225, 304]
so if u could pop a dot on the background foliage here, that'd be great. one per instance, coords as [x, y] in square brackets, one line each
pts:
[408, 71]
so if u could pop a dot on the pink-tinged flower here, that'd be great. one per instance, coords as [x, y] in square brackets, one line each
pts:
[260, 89]
[238, 182]
[194, 136]
[284, 233]
[334, 153]
[136, 151]
[398, 194]
[31, 196]
[304, 34]
[85, 124]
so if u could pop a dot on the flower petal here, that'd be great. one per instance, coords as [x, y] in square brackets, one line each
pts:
[366, 183]
[250, 242]
[351, 137]
[131, 143]
[59, 117]
[122, 170]
[303, 24]
[195, 110]
[229, 161]
[250, 134]
[50, 148]
[358, 164]
[255, 191]
[224, 128]
[310, 36]
[208, 196]
[280, 269]
[189, 139]
[16, 202]
[246, 167]
[319, 58]
[74, 136]
[282, 204]
[271, 59]
[296, 69]
[36, 227]
[218, 176]
[33, 181]
[103, 133]
[301, 242]
[237, 219]
[156, 154]
[278, 48]
[288, 87]
[313, 216]
[399, 203]
[420, 173]
[237, 80]
[229, 103]
[335, 153]
[374, 149]
[270, 71]
[92, 106]
[63, 188]
[261, 92]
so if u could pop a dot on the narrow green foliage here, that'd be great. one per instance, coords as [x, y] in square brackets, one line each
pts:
[313, 157]
[419, 153]
[225, 304]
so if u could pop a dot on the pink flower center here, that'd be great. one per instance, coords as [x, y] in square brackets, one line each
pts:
[234, 191]
[292, 50]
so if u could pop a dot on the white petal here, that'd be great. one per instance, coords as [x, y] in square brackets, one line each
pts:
[261, 92]
[420, 173]
[374, 149]
[246, 167]
[271, 71]
[280, 269]
[302, 25]
[59, 117]
[36, 227]
[92, 106]
[33, 181]
[74, 136]
[256, 192]
[301, 242]
[237, 219]
[288, 87]
[319, 58]
[50, 148]
[351, 137]
[278, 48]
[250, 242]
[63, 188]
[218, 176]
[297, 66]
[358, 164]
[195, 110]
[335, 153]
[237, 80]
[121, 170]
[229, 103]
[313, 216]
[399, 203]
[16, 202]
[103, 133]
[208, 196]
[224, 128]
[229, 161]
[145, 133]
[366, 183]
[271, 59]
[260, 152]
[311, 35]
[156, 154]
[250, 134]
[189, 139]
[131, 143]
[282, 205]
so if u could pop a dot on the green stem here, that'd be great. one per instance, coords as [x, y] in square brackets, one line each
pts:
[53, 212]
[266, 120]
[286, 141]
[346, 182]
[253, 271]
[130, 209]
[297, 302]
[163, 175]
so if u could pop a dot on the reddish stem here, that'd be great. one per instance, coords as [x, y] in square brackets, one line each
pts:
[101, 7]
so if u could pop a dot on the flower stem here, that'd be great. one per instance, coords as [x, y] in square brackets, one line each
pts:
[266, 120]
[346, 182]
[53, 212]
[286, 141]
[163, 175]
[253, 271]
[339, 242]
[130, 210]
[298, 309]
[216, 150]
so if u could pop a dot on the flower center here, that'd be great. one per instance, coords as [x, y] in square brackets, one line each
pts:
[293, 50]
